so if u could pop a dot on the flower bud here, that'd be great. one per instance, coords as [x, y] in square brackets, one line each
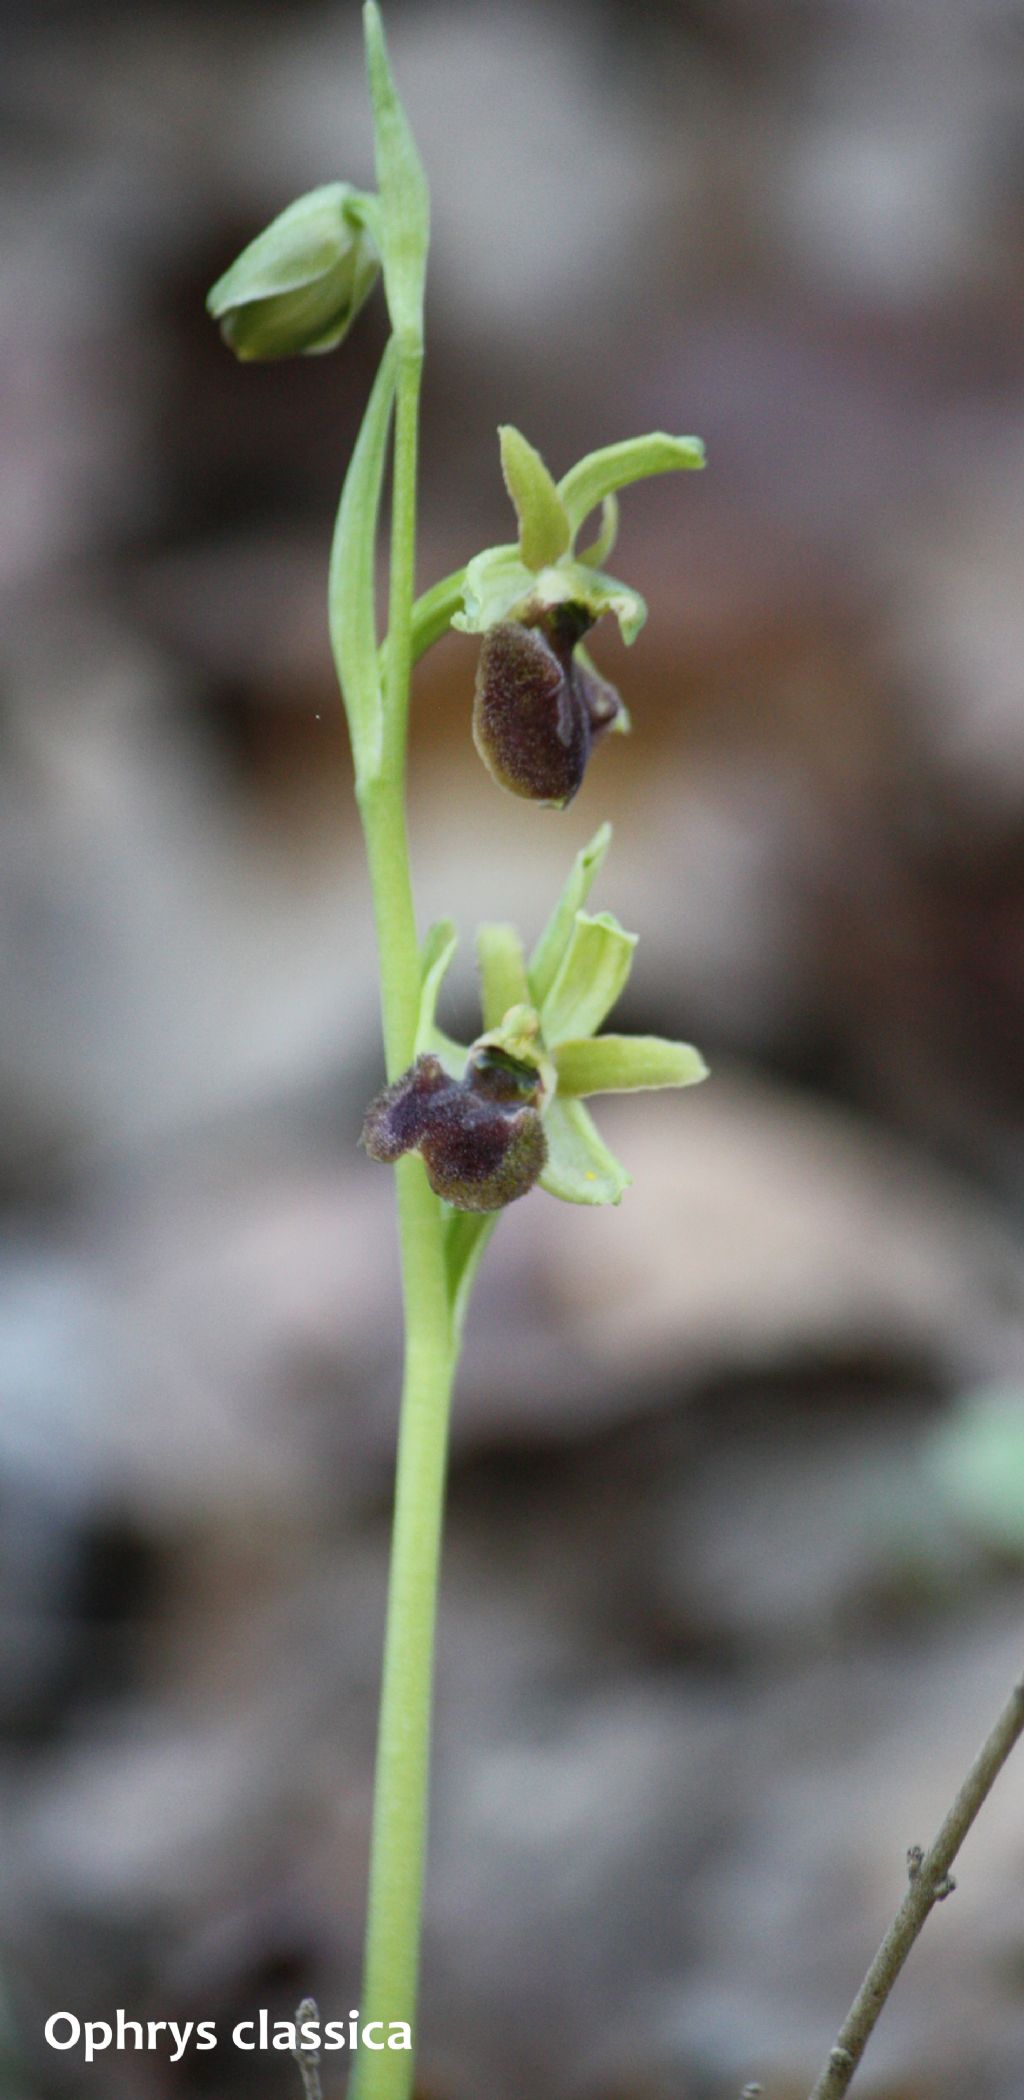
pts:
[537, 709]
[481, 1138]
[300, 284]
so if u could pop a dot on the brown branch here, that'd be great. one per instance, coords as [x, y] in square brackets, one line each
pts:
[930, 1883]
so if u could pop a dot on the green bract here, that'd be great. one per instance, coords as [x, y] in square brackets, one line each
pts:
[404, 204]
[543, 569]
[546, 1012]
[299, 285]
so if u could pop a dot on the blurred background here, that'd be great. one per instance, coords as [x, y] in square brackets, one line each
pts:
[733, 1579]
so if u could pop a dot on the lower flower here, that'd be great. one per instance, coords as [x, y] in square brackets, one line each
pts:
[481, 1138]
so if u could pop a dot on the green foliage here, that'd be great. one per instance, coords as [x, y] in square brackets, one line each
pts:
[976, 1463]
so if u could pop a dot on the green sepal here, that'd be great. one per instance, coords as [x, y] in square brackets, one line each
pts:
[599, 474]
[617, 1064]
[439, 945]
[297, 288]
[499, 586]
[598, 551]
[502, 967]
[590, 977]
[553, 942]
[543, 524]
[580, 1168]
[350, 585]
[404, 198]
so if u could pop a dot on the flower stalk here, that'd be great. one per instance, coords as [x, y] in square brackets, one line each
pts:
[390, 1984]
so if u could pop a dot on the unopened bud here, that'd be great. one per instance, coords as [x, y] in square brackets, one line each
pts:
[481, 1138]
[300, 284]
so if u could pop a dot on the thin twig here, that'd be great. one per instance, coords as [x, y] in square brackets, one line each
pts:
[930, 1883]
[308, 2060]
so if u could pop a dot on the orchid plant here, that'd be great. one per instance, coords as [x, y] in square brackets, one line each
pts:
[470, 1127]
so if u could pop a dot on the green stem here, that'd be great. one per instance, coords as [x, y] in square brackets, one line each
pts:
[398, 1841]
[382, 809]
[432, 613]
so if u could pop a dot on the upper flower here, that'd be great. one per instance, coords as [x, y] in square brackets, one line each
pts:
[539, 704]
[539, 701]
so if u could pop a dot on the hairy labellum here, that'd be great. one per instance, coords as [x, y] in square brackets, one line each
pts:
[481, 1138]
[537, 709]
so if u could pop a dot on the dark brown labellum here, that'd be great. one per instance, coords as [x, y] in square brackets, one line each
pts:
[481, 1138]
[536, 710]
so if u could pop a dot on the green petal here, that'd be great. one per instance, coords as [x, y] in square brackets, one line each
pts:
[615, 466]
[554, 940]
[502, 966]
[499, 586]
[580, 1168]
[435, 957]
[616, 1064]
[543, 524]
[600, 593]
[597, 553]
[496, 581]
[591, 975]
